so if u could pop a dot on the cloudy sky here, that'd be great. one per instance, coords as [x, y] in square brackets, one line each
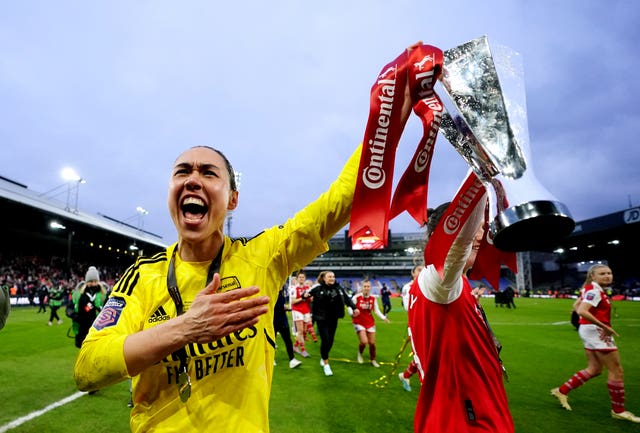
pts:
[117, 89]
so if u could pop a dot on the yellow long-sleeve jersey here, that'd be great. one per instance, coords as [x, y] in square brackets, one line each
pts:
[231, 377]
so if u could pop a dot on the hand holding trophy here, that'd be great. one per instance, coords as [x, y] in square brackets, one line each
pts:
[486, 123]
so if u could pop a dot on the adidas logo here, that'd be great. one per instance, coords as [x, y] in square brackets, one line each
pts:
[159, 315]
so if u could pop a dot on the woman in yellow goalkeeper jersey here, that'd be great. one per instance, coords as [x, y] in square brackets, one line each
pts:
[210, 367]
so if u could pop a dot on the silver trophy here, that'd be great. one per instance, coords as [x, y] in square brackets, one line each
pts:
[487, 125]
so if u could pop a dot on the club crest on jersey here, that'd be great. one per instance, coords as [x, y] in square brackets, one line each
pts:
[110, 313]
[229, 283]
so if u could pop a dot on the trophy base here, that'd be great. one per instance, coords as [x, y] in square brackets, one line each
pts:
[532, 226]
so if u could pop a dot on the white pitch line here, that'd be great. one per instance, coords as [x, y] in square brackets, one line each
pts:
[526, 324]
[15, 423]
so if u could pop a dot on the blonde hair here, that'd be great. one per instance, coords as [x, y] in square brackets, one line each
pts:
[591, 271]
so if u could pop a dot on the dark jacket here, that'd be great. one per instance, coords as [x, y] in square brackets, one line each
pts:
[329, 301]
[280, 319]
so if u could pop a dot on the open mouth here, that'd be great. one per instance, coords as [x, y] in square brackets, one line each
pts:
[193, 209]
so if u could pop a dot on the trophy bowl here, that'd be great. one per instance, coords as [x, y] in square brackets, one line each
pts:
[531, 226]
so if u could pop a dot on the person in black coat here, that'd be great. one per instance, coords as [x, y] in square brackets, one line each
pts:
[5, 304]
[281, 326]
[327, 307]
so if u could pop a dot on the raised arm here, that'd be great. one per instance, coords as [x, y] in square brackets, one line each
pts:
[446, 288]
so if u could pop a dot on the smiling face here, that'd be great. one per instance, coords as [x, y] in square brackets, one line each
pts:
[329, 278]
[200, 194]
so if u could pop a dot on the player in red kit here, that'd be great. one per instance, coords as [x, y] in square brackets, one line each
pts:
[364, 324]
[597, 334]
[412, 368]
[462, 378]
[301, 313]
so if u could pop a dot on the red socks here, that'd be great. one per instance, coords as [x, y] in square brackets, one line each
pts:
[576, 381]
[616, 394]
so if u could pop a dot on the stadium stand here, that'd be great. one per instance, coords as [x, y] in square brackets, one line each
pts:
[82, 238]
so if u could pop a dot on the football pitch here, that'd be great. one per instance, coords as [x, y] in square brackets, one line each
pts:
[541, 350]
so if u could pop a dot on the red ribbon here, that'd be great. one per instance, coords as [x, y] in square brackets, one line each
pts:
[455, 217]
[408, 78]
[489, 259]
[411, 192]
[408, 81]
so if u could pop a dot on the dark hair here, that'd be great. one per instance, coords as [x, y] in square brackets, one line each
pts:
[434, 216]
[232, 173]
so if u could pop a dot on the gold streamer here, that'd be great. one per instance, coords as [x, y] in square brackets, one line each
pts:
[383, 381]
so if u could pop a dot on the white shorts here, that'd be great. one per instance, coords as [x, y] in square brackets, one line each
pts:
[592, 339]
[298, 316]
[359, 328]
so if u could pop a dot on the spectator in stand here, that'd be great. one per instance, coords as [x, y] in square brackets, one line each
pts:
[412, 368]
[56, 296]
[301, 313]
[597, 337]
[281, 326]
[43, 293]
[364, 323]
[385, 295]
[5, 304]
[32, 290]
[328, 305]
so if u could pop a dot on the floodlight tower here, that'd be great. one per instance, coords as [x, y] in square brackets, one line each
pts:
[73, 183]
[141, 213]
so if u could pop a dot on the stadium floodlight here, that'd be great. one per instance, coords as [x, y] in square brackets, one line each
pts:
[70, 175]
[559, 251]
[73, 182]
[141, 213]
[56, 225]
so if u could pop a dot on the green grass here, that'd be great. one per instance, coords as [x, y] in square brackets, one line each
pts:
[541, 350]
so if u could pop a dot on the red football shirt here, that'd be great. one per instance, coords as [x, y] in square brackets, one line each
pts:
[600, 304]
[462, 389]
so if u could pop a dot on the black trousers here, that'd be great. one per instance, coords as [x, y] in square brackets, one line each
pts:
[54, 313]
[327, 332]
[285, 333]
[386, 307]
